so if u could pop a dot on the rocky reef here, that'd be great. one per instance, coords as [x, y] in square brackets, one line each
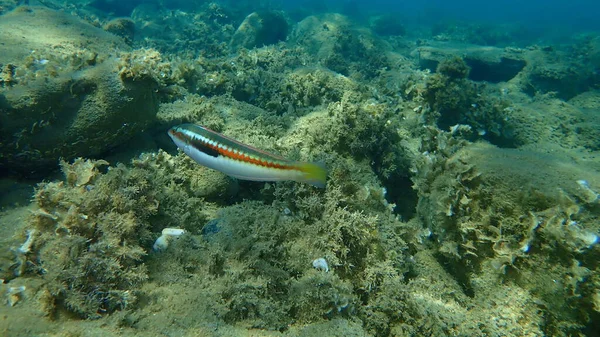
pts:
[462, 195]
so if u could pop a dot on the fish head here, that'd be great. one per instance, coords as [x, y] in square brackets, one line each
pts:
[178, 137]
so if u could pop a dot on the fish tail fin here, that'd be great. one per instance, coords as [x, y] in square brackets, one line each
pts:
[314, 174]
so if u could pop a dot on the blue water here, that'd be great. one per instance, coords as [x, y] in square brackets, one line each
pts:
[566, 15]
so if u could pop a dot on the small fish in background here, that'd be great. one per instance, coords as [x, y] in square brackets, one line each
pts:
[241, 161]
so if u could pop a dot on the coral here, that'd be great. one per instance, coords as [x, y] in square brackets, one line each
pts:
[81, 172]
[365, 130]
[312, 87]
[95, 229]
[8, 75]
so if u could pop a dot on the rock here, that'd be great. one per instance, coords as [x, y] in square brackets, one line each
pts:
[67, 96]
[123, 27]
[341, 45]
[488, 64]
[565, 73]
[260, 29]
[145, 13]
[560, 72]
[573, 125]
[589, 101]
[319, 34]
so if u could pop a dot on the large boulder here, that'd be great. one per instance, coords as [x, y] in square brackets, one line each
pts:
[489, 64]
[64, 92]
[563, 73]
[260, 29]
[341, 45]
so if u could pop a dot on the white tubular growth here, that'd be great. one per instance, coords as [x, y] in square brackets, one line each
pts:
[167, 234]
[21, 253]
[26, 246]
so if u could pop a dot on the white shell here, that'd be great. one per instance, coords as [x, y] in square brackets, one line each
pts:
[173, 231]
[321, 264]
[167, 234]
[588, 238]
[161, 243]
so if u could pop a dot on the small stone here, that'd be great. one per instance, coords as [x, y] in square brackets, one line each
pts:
[321, 264]
[15, 294]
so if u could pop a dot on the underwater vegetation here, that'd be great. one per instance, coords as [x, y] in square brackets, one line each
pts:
[462, 194]
[90, 243]
[454, 100]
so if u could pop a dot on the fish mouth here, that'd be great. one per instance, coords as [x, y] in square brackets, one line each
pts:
[174, 134]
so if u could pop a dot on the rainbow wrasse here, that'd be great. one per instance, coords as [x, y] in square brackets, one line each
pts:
[241, 161]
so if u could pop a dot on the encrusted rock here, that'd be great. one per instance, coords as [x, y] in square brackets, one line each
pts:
[489, 64]
[260, 29]
[123, 27]
[65, 102]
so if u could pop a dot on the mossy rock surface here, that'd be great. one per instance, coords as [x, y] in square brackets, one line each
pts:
[486, 63]
[260, 29]
[62, 92]
[35, 30]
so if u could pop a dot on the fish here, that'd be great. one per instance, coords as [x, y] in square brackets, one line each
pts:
[241, 161]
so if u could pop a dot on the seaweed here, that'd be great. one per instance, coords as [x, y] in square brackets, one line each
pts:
[454, 100]
[93, 228]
